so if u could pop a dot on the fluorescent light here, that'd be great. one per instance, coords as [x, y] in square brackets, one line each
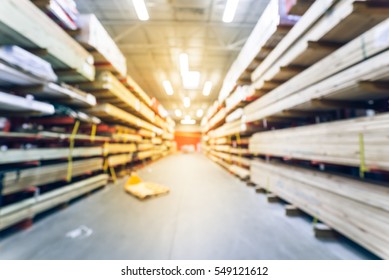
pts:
[199, 113]
[191, 80]
[229, 11]
[186, 102]
[140, 9]
[168, 87]
[207, 88]
[184, 63]
[188, 120]
[178, 113]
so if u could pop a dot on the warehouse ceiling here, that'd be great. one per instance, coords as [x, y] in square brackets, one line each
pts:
[195, 27]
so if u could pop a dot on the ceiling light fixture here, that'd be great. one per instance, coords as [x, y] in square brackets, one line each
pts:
[184, 63]
[191, 79]
[178, 113]
[199, 113]
[229, 11]
[140, 9]
[207, 88]
[186, 102]
[168, 87]
[188, 120]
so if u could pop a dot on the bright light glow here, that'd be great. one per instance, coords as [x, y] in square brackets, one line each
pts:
[188, 120]
[199, 113]
[184, 63]
[191, 79]
[178, 113]
[207, 88]
[168, 87]
[229, 11]
[186, 102]
[140, 9]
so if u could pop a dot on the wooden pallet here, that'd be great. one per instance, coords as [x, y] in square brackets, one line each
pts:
[146, 190]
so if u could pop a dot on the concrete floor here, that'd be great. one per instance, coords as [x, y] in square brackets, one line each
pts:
[209, 214]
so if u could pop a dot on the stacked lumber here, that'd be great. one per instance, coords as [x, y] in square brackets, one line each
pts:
[30, 207]
[63, 94]
[137, 90]
[112, 114]
[356, 209]
[63, 12]
[121, 159]
[40, 154]
[23, 24]
[273, 25]
[45, 140]
[216, 121]
[240, 160]
[107, 89]
[110, 148]
[47, 135]
[336, 77]
[315, 36]
[239, 171]
[144, 146]
[11, 105]
[299, 7]
[125, 137]
[18, 180]
[97, 41]
[336, 142]
[145, 154]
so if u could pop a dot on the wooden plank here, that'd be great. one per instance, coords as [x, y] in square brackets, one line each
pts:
[353, 53]
[94, 37]
[273, 25]
[40, 154]
[137, 90]
[112, 114]
[336, 142]
[241, 172]
[111, 148]
[63, 94]
[122, 159]
[23, 24]
[19, 180]
[341, 86]
[48, 135]
[12, 105]
[300, 7]
[28, 208]
[356, 209]
[340, 26]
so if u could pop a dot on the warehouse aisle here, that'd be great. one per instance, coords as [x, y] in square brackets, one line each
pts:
[208, 215]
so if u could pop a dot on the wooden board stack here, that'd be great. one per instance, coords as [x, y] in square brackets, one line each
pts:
[317, 101]
[335, 142]
[356, 209]
[60, 141]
